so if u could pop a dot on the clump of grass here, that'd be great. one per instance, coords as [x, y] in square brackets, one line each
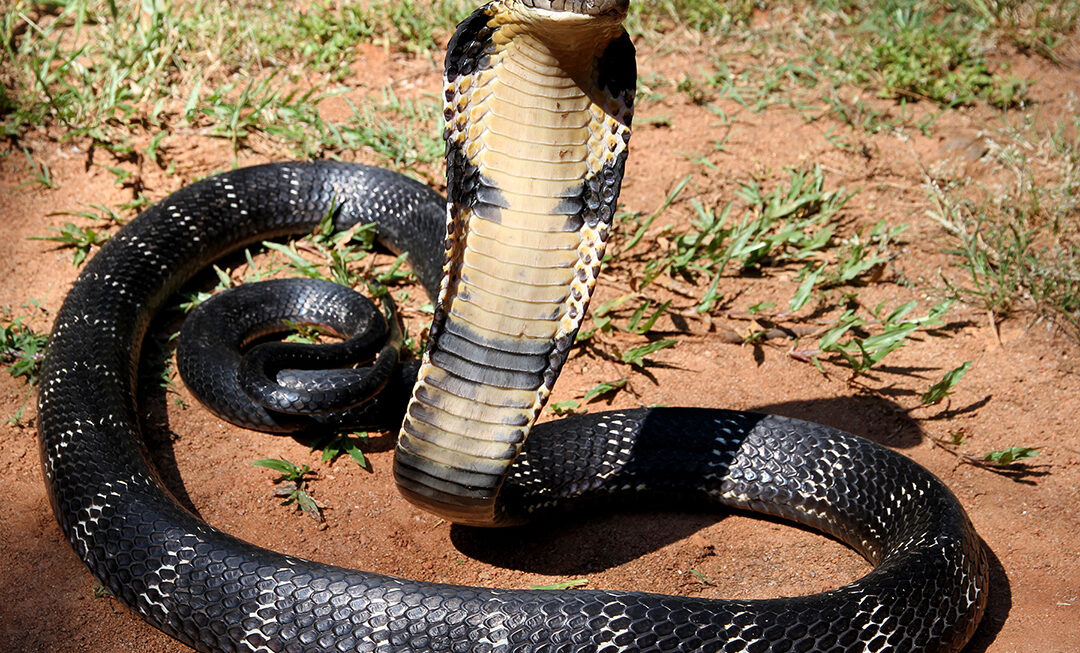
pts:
[21, 347]
[335, 445]
[943, 388]
[1013, 462]
[913, 50]
[110, 71]
[1039, 26]
[791, 222]
[862, 350]
[81, 239]
[1019, 245]
[705, 16]
[39, 170]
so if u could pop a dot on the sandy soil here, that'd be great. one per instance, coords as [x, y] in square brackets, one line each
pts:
[1021, 390]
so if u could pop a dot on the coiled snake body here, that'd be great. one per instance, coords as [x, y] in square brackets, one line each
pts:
[538, 107]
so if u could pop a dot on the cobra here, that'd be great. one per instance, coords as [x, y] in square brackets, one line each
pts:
[538, 103]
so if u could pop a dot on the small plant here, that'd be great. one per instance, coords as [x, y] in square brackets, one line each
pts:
[943, 388]
[562, 585]
[81, 239]
[1019, 248]
[21, 347]
[1009, 461]
[911, 51]
[702, 578]
[567, 407]
[40, 170]
[863, 352]
[292, 485]
[788, 223]
[636, 356]
[605, 388]
[1011, 455]
[344, 443]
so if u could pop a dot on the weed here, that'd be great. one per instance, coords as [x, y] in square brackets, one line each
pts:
[602, 318]
[297, 262]
[1011, 455]
[1039, 25]
[943, 388]
[605, 388]
[567, 407]
[194, 298]
[906, 49]
[109, 72]
[344, 443]
[702, 578]
[639, 323]
[21, 347]
[21, 350]
[40, 170]
[562, 585]
[787, 223]
[858, 256]
[1019, 248]
[101, 213]
[706, 16]
[81, 239]
[292, 485]
[863, 352]
[636, 356]
[810, 275]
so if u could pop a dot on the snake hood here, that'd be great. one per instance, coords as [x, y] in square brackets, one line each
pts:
[538, 110]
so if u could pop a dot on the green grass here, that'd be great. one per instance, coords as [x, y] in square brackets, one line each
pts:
[700, 16]
[914, 50]
[81, 239]
[840, 58]
[21, 346]
[133, 78]
[110, 71]
[892, 330]
[1018, 243]
[943, 388]
[789, 223]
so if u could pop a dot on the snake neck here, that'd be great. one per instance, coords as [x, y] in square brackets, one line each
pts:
[538, 107]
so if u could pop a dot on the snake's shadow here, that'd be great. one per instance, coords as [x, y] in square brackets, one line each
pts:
[595, 538]
[590, 541]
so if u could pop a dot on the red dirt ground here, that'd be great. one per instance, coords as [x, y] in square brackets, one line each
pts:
[1021, 390]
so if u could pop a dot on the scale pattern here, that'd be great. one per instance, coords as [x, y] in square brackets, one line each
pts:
[285, 387]
[537, 125]
[217, 593]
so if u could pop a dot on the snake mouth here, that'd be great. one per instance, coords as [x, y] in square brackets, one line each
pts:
[593, 10]
[587, 7]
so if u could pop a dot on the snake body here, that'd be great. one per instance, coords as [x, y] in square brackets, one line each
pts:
[498, 339]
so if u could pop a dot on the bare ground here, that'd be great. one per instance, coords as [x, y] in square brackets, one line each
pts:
[1021, 390]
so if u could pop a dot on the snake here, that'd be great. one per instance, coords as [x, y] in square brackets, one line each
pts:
[538, 99]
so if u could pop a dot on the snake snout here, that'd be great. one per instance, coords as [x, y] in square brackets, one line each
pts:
[592, 8]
